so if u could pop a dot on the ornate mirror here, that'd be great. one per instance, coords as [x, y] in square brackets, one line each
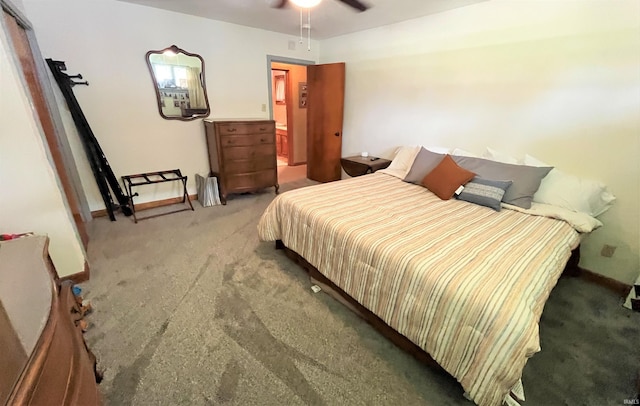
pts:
[178, 80]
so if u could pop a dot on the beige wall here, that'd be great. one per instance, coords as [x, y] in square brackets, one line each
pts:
[558, 80]
[106, 41]
[31, 199]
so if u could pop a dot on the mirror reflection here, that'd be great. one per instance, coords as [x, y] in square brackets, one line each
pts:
[280, 86]
[178, 78]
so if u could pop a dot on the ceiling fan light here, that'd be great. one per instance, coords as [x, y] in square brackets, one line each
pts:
[306, 3]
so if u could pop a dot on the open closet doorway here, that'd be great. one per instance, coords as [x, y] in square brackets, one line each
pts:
[287, 106]
[279, 79]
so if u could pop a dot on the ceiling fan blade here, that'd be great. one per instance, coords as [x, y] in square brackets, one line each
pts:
[358, 5]
[277, 3]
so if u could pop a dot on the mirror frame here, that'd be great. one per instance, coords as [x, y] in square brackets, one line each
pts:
[177, 50]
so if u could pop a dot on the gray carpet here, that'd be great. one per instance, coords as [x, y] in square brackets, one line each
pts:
[191, 309]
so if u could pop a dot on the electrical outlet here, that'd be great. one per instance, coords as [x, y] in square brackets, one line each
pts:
[264, 107]
[607, 250]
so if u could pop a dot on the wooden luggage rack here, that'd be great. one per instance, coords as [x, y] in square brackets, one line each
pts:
[150, 178]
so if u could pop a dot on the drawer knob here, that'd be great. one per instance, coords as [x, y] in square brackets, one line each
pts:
[261, 139]
[231, 130]
[262, 128]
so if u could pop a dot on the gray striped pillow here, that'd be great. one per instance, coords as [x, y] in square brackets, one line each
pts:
[485, 192]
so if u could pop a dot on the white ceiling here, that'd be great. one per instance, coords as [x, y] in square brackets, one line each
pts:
[329, 19]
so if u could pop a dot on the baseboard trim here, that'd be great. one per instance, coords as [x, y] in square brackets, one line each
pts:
[148, 205]
[613, 285]
[78, 277]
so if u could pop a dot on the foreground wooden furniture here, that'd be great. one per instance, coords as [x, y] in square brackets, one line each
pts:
[57, 368]
[242, 155]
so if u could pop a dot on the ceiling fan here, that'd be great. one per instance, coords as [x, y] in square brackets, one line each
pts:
[356, 4]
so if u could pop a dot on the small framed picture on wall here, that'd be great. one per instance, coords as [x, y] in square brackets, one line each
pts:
[302, 95]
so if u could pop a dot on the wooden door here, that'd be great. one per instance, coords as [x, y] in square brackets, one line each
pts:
[25, 56]
[325, 86]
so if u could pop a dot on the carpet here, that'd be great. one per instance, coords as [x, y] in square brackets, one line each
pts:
[192, 309]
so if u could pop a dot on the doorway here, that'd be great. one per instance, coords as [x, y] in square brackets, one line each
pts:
[280, 88]
[287, 107]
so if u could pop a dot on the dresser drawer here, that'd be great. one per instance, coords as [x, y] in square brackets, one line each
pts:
[244, 166]
[253, 180]
[248, 153]
[246, 128]
[247, 140]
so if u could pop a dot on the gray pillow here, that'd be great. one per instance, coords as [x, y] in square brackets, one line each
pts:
[423, 164]
[526, 179]
[485, 192]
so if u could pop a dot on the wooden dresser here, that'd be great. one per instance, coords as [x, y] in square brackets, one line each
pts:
[242, 155]
[50, 363]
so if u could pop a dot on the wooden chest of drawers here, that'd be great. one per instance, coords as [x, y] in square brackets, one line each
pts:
[242, 155]
[46, 360]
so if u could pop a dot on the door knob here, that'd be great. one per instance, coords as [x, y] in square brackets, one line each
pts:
[337, 134]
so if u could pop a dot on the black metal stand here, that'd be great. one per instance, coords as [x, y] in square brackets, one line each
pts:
[158, 177]
[100, 167]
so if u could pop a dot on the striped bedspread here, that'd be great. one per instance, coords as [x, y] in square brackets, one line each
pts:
[464, 282]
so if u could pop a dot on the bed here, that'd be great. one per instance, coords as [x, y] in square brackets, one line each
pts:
[465, 283]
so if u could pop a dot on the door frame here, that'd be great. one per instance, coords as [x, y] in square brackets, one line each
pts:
[281, 59]
[287, 97]
[290, 90]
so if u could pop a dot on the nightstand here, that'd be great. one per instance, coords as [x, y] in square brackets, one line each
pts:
[357, 165]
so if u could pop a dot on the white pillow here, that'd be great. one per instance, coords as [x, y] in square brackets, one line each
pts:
[462, 152]
[494, 155]
[570, 192]
[401, 163]
[439, 150]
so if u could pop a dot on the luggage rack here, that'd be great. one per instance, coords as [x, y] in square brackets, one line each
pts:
[150, 178]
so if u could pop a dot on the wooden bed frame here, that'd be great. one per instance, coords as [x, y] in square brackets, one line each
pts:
[571, 269]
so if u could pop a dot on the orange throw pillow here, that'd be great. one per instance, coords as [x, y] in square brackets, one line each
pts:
[445, 178]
